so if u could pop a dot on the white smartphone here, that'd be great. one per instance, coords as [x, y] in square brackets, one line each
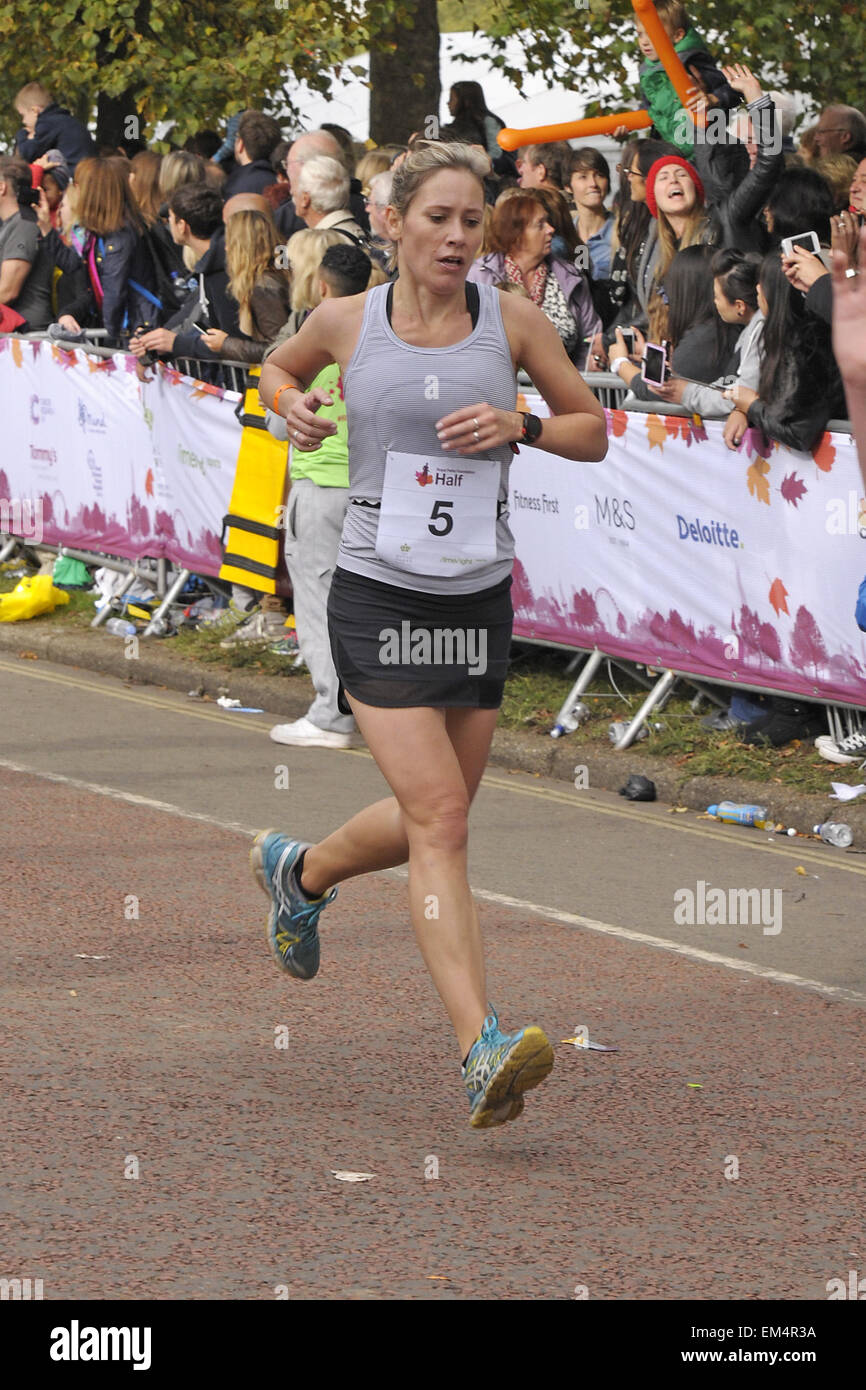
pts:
[808, 240]
[628, 338]
[654, 364]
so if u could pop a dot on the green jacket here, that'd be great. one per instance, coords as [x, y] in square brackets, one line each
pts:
[660, 95]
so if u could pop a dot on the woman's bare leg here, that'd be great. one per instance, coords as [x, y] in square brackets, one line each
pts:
[417, 752]
[376, 838]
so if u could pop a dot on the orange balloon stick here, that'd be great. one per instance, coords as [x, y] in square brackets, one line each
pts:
[572, 130]
[668, 56]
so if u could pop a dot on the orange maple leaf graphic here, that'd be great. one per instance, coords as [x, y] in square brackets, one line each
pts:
[756, 476]
[16, 352]
[148, 482]
[778, 594]
[618, 422]
[825, 454]
[677, 426]
[656, 432]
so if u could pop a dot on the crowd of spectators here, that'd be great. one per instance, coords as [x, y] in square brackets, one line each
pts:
[147, 246]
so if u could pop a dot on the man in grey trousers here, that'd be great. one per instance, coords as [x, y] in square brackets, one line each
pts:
[318, 497]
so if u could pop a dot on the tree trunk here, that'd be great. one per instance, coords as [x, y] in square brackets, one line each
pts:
[117, 118]
[398, 104]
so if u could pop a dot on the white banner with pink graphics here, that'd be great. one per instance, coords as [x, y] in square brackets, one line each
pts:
[678, 553]
[112, 464]
[673, 552]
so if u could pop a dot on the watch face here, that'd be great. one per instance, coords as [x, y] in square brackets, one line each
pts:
[531, 428]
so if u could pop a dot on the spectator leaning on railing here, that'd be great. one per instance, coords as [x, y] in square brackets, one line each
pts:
[195, 221]
[121, 284]
[25, 269]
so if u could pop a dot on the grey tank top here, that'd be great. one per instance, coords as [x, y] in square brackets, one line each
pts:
[394, 394]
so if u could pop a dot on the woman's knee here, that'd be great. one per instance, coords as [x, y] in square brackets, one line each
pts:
[441, 822]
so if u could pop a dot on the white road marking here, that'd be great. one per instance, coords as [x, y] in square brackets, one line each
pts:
[570, 919]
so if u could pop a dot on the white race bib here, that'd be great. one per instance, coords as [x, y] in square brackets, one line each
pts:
[438, 514]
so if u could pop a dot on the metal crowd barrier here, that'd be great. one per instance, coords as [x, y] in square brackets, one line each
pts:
[611, 392]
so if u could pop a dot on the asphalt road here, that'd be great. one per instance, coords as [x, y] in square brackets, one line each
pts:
[158, 1143]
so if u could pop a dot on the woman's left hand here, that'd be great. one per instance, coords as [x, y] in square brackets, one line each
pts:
[214, 339]
[742, 396]
[671, 390]
[477, 428]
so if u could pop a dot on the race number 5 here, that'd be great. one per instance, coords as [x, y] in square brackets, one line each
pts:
[438, 514]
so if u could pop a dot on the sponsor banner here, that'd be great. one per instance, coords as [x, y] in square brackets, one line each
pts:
[678, 553]
[112, 464]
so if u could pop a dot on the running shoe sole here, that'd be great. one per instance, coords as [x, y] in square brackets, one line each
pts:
[525, 1066]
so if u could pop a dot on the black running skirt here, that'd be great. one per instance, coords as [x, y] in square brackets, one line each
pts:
[396, 648]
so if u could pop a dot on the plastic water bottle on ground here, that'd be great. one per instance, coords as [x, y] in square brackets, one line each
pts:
[120, 627]
[746, 814]
[570, 720]
[835, 833]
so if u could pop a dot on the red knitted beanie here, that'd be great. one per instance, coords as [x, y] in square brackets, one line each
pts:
[653, 174]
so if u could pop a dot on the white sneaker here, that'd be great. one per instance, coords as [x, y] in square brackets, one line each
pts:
[305, 734]
[848, 750]
[257, 628]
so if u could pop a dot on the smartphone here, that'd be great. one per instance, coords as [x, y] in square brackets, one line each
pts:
[654, 364]
[628, 338]
[808, 240]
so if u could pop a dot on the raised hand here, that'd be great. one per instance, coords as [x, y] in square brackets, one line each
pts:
[743, 80]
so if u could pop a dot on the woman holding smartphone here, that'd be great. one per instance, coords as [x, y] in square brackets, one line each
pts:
[428, 366]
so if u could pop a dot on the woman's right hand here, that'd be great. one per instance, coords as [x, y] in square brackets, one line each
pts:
[735, 427]
[69, 323]
[306, 431]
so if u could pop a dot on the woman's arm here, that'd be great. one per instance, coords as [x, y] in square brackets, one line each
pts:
[323, 338]
[577, 428]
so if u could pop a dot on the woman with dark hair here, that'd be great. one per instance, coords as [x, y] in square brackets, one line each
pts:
[703, 344]
[802, 201]
[469, 109]
[735, 294]
[521, 236]
[800, 388]
[589, 179]
[120, 291]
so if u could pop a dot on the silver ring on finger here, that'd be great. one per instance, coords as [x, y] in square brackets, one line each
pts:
[475, 423]
[477, 436]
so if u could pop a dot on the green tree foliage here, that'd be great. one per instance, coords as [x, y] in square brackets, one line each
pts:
[190, 61]
[814, 49]
[194, 61]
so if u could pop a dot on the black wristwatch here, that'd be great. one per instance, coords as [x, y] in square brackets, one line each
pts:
[531, 428]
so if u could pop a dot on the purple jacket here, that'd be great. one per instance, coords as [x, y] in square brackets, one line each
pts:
[490, 270]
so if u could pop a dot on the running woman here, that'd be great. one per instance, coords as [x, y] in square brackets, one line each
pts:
[428, 367]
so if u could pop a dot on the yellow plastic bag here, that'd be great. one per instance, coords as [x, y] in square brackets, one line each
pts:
[31, 596]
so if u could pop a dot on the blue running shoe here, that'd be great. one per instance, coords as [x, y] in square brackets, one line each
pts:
[500, 1067]
[292, 923]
